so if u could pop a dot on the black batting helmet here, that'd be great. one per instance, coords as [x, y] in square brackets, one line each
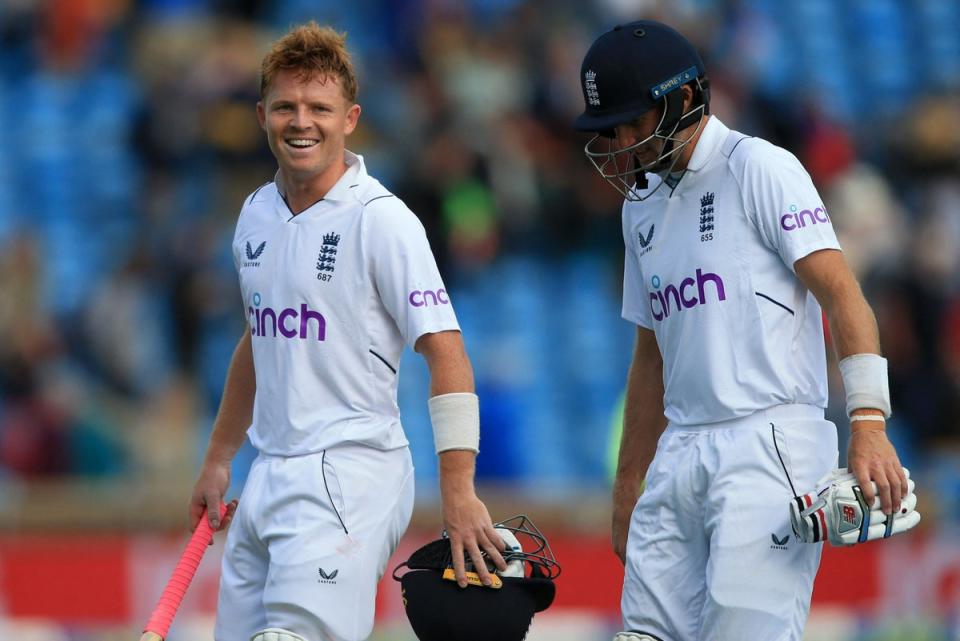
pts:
[628, 71]
[440, 610]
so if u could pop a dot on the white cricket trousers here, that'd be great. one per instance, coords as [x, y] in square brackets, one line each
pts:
[710, 552]
[310, 541]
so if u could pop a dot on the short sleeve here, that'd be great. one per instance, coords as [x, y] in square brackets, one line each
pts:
[405, 272]
[242, 221]
[635, 306]
[235, 245]
[235, 248]
[784, 204]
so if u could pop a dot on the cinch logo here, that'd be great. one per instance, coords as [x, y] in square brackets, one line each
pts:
[268, 322]
[798, 220]
[426, 298]
[660, 300]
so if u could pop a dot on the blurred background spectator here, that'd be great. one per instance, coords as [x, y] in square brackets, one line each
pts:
[128, 140]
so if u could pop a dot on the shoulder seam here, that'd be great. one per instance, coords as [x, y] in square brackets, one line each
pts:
[737, 179]
[737, 145]
[378, 198]
[254, 194]
[752, 217]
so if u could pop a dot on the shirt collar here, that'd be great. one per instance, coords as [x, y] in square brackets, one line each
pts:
[711, 139]
[343, 189]
[355, 174]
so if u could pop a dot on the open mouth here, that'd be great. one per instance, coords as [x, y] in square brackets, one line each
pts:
[301, 143]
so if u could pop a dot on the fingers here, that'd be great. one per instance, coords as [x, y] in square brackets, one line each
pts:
[903, 474]
[873, 458]
[479, 564]
[456, 549]
[897, 480]
[619, 537]
[228, 515]
[885, 491]
[461, 552]
[878, 518]
[877, 507]
[495, 538]
[473, 538]
[862, 474]
[212, 501]
[473, 546]
[489, 542]
[196, 512]
[886, 494]
[494, 546]
[199, 504]
[621, 551]
[620, 529]
[208, 491]
[881, 493]
[892, 486]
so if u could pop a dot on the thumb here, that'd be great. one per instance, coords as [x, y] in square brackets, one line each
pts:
[213, 503]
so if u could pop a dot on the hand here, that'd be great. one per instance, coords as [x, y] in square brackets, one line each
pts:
[621, 527]
[624, 501]
[209, 490]
[836, 510]
[471, 530]
[871, 457]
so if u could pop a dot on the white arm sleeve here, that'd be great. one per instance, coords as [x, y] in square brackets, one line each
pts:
[783, 203]
[636, 306]
[405, 272]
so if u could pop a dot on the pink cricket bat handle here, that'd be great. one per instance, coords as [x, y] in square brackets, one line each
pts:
[159, 623]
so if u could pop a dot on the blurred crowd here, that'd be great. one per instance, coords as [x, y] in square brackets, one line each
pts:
[128, 141]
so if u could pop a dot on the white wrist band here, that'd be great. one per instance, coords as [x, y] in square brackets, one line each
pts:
[867, 417]
[456, 421]
[865, 381]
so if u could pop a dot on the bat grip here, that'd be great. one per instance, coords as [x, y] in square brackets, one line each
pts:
[162, 616]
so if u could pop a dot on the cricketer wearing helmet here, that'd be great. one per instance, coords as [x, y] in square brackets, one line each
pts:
[730, 257]
[336, 277]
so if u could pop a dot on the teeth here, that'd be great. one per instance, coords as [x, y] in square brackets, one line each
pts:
[302, 142]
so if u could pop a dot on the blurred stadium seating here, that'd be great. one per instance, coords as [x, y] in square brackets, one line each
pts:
[128, 141]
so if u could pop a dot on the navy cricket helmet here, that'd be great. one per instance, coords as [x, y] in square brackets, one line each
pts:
[628, 71]
[440, 610]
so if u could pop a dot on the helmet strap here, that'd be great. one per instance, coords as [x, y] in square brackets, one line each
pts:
[639, 175]
[673, 114]
[675, 120]
[669, 125]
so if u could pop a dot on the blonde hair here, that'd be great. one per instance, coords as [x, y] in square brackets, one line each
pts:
[311, 49]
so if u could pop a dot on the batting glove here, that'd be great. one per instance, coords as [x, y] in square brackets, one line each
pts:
[838, 512]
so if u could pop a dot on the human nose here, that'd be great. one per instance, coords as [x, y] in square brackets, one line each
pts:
[300, 119]
[625, 137]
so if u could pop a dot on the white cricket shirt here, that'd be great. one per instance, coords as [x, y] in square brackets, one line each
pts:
[710, 270]
[331, 296]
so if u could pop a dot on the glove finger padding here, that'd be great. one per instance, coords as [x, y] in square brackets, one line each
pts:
[839, 513]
